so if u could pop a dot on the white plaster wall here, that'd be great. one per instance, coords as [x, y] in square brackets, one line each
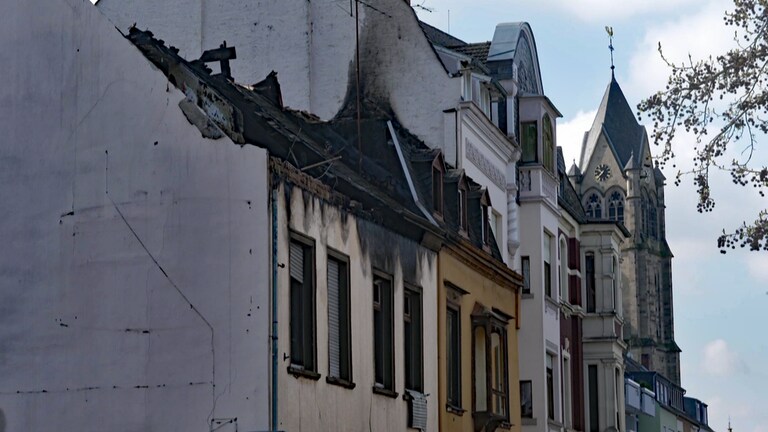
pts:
[315, 405]
[540, 320]
[94, 336]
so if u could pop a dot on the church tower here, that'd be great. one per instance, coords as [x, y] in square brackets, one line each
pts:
[618, 181]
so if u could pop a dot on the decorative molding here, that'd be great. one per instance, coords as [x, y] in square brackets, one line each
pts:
[484, 164]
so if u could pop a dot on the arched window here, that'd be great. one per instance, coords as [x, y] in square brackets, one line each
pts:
[594, 207]
[616, 207]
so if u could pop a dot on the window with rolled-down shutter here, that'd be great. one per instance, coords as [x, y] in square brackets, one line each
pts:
[334, 351]
[297, 262]
[302, 305]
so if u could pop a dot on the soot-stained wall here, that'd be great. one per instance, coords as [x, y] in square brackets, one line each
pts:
[307, 404]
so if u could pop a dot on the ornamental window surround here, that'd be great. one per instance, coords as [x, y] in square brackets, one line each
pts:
[490, 387]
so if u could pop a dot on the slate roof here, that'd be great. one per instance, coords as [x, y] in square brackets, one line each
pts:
[616, 118]
[505, 38]
[439, 37]
[567, 197]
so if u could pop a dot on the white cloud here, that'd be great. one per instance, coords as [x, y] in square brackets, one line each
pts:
[700, 34]
[720, 360]
[571, 133]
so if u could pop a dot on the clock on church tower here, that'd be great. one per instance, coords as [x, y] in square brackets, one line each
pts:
[602, 172]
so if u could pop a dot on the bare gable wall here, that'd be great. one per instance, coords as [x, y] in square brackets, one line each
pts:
[133, 246]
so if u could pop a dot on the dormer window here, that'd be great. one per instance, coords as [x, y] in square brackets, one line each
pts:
[462, 207]
[485, 202]
[437, 185]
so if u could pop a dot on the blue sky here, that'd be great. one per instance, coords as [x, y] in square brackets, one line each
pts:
[719, 299]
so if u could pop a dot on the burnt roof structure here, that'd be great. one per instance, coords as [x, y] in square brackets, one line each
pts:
[385, 176]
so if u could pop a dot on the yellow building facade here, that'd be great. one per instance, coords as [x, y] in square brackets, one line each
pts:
[478, 310]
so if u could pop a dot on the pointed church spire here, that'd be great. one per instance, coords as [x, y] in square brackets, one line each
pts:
[609, 30]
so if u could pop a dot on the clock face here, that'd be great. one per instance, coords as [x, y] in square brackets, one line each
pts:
[602, 172]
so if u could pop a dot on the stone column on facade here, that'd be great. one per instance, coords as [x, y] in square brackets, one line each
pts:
[513, 211]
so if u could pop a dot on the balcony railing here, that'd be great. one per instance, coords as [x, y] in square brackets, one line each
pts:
[648, 402]
[536, 182]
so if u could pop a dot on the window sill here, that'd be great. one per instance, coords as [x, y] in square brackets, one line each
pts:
[528, 421]
[455, 410]
[340, 382]
[554, 423]
[527, 295]
[303, 373]
[407, 394]
[385, 392]
[552, 302]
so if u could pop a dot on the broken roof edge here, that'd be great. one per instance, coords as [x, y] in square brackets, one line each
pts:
[282, 132]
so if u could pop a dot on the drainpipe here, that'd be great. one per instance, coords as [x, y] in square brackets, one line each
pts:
[274, 311]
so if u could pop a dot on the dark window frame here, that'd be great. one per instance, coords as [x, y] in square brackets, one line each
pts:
[593, 408]
[528, 130]
[384, 373]
[550, 386]
[548, 265]
[303, 324]
[485, 215]
[525, 269]
[463, 201]
[413, 338]
[526, 386]
[548, 143]
[453, 357]
[345, 375]
[590, 282]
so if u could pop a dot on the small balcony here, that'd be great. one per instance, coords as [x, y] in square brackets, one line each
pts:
[632, 396]
[537, 183]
